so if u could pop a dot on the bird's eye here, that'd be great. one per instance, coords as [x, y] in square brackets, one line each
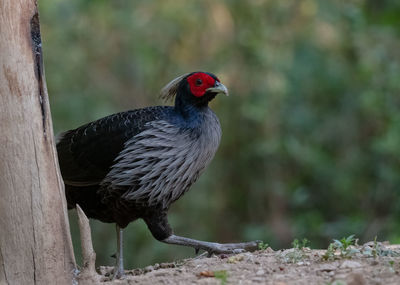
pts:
[198, 82]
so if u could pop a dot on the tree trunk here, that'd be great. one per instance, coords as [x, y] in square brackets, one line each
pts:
[35, 243]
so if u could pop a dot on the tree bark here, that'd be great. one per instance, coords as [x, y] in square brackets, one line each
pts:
[35, 242]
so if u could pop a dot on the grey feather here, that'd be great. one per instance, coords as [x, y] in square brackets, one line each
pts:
[160, 164]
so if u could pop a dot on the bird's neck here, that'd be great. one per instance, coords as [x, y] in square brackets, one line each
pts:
[187, 108]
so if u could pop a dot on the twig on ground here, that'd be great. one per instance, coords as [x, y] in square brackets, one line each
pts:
[88, 275]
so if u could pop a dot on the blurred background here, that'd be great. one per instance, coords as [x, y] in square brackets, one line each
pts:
[311, 131]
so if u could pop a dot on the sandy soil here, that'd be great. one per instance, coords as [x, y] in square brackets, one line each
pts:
[372, 263]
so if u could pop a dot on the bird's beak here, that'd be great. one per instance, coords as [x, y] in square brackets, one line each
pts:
[219, 88]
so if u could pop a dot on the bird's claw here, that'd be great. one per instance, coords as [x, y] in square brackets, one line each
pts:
[118, 274]
[233, 248]
[211, 247]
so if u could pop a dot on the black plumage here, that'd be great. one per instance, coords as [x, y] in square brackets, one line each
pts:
[87, 154]
[134, 164]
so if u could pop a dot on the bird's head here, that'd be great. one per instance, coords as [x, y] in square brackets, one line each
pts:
[196, 89]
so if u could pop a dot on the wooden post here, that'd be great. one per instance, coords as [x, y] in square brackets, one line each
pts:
[35, 242]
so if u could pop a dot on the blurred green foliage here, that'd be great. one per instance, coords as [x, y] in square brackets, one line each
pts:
[311, 131]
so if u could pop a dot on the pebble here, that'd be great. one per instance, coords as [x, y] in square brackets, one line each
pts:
[269, 250]
[137, 271]
[327, 267]
[258, 279]
[356, 279]
[167, 265]
[350, 264]
[260, 272]
[160, 273]
[374, 262]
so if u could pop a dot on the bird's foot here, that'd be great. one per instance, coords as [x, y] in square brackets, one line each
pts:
[231, 248]
[118, 273]
[213, 247]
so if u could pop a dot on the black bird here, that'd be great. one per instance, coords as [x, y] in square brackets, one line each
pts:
[134, 164]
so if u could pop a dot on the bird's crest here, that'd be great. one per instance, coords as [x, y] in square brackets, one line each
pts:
[168, 92]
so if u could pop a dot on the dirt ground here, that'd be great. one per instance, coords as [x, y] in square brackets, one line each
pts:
[371, 263]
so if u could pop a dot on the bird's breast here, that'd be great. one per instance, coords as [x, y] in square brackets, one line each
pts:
[160, 164]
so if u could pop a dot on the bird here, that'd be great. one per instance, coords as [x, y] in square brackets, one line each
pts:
[134, 164]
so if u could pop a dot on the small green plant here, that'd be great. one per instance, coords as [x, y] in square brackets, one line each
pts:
[297, 253]
[300, 244]
[344, 245]
[346, 242]
[263, 246]
[391, 266]
[374, 250]
[378, 249]
[222, 275]
[330, 252]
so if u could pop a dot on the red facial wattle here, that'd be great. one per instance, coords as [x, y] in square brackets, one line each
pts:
[199, 82]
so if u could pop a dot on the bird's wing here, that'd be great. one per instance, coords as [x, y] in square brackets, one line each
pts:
[159, 164]
[86, 154]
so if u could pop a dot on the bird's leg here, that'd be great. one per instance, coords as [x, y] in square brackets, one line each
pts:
[159, 227]
[119, 264]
